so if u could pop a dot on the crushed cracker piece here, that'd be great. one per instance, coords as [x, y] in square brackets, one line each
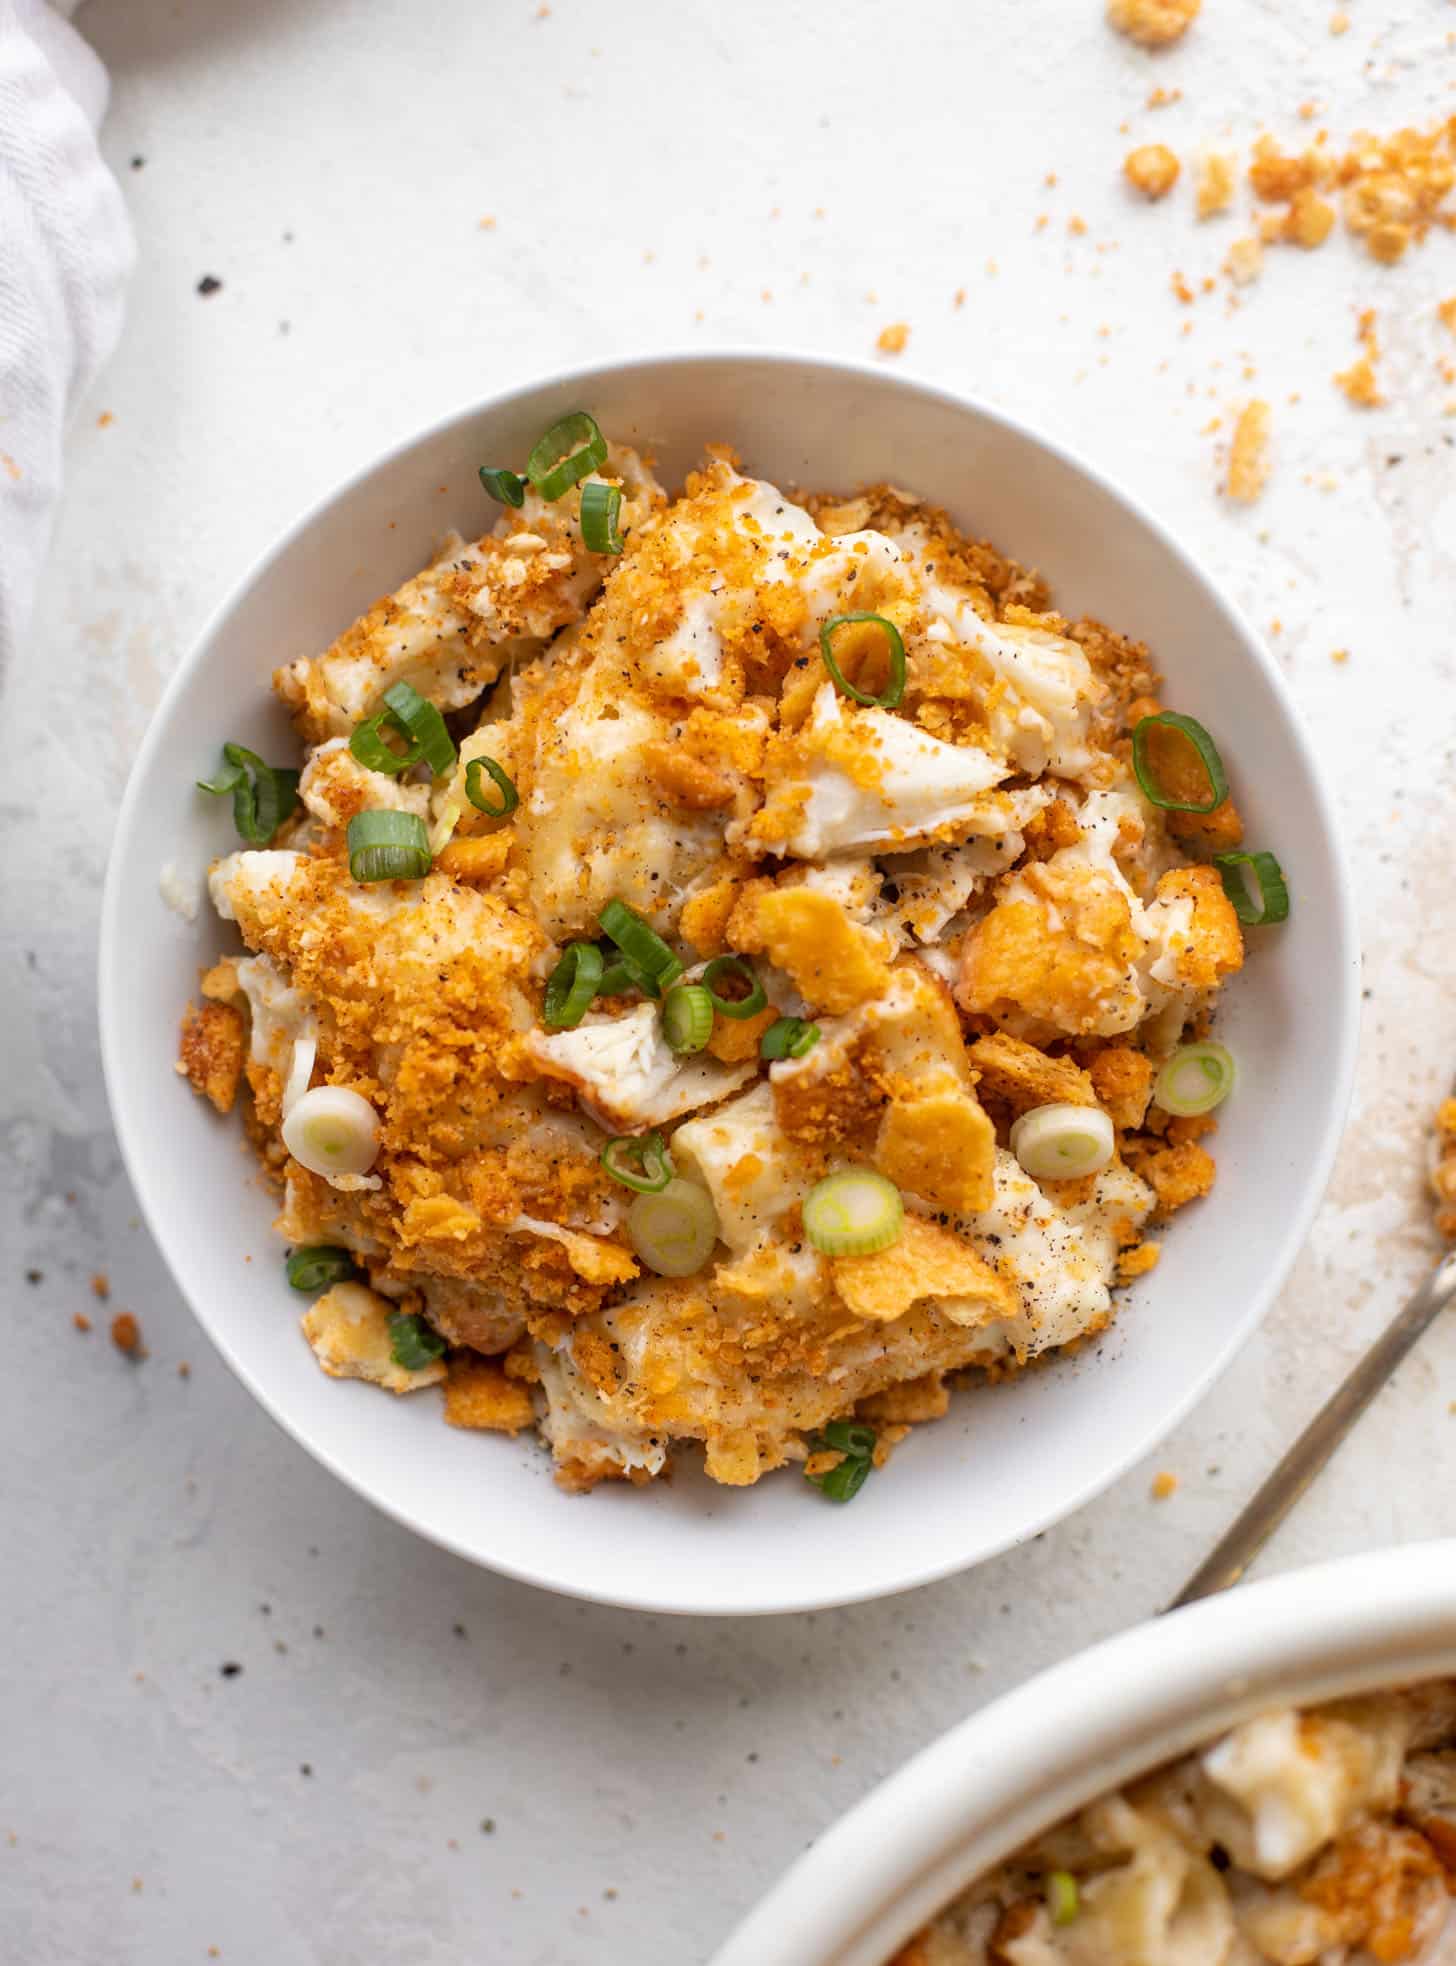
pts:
[1165, 1484]
[1153, 23]
[1151, 169]
[1245, 261]
[126, 1335]
[1248, 465]
[892, 339]
[1215, 191]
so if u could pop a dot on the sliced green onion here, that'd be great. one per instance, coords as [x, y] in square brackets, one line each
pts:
[1061, 1896]
[641, 946]
[894, 688]
[621, 976]
[1062, 1143]
[571, 986]
[505, 487]
[853, 1213]
[412, 1344]
[687, 1018]
[790, 1037]
[388, 846]
[1255, 884]
[331, 1130]
[263, 795]
[748, 1005]
[565, 454]
[856, 1442]
[320, 1266]
[674, 1230]
[1203, 744]
[1195, 1079]
[601, 507]
[510, 798]
[640, 1161]
[418, 720]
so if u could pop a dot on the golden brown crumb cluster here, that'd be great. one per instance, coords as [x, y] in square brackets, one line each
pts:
[1443, 1176]
[1153, 23]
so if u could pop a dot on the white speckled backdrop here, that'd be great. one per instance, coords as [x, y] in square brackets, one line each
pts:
[238, 1710]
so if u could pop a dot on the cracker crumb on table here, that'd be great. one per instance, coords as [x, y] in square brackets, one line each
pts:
[892, 339]
[1151, 169]
[1360, 382]
[1165, 1485]
[1153, 23]
[1248, 465]
[126, 1335]
[1216, 183]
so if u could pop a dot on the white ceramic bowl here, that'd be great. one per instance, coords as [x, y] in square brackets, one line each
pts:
[1007, 1461]
[1383, 1620]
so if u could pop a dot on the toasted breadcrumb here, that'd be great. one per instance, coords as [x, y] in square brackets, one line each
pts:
[1153, 23]
[126, 1334]
[1164, 1486]
[1443, 1176]
[1151, 169]
[1339, 655]
[1177, 1175]
[1340, 22]
[101, 1285]
[1309, 220]
[892, 340]
[80, 1320]
[479, 1394]
[1123, 1081]
[1360, 382]
[1446, 313]
[1248, 464]
[1245, 260]
[210, 1053]
[1215, 192]
[1137, 1261]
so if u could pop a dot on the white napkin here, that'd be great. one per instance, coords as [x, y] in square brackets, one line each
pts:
[65, 252]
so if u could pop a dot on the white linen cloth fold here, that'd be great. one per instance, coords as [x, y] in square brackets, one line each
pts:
[65, 252]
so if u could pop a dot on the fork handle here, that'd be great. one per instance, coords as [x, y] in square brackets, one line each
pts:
[1256, 1523]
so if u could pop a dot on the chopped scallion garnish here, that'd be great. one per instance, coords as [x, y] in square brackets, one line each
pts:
[1062, 1143]
[505, 487]
[754, 996]
[853, 1213]
[639, 1161]
[790, 1037]
[856, 1443]
[319, 1267]
[601, 507]
[673, 1230]
[1062, 1899]
[1195, 1079]
[418, 720]
[263, 795]
[568, 451]
[643, 949]
[894, 689]
[1154, 791]
[571, 986]
[385, 845]
[1255, 884]
[412, 1344]
[687, 1018]
[510, 798]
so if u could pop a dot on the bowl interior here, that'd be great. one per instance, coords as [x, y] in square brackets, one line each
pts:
[1007, 1461]
[1089, 1725]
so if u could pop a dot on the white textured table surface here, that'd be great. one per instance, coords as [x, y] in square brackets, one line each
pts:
[240, 1710]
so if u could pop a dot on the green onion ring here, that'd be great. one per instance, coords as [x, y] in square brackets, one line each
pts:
[1273, 890]
[388, 846]
[687, 1018]
[505, 487]
[1195, 1079]
[850, 1436]
[263, 795]
[319, 1266]
[1062, 1898]
[856, 1212]
[790, 1037]
[1203, 744]
[621, 976]
[673, 1232]
[601, 507]
[562, 458]
[510, 797]
[740, 1007]
[571, 986]
[412, 1343]
[419, 721]
[639, 944]
[654, 1167]
[894, 689]
[856, 1442]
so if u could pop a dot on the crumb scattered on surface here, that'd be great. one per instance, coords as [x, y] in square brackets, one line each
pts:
[105, 420]
[1245, 261]
[1339, 22]
[1248, 464]
[101, 1285]
[1151, 169]
[1339, 655]
[1217, 183]
[1446, 313]
[1360, 382]
[1153, 23]
[892, 339]
[1443, 1175]
[209, 284]
[80, 1320]
[1164, 1485]
[126, 1334]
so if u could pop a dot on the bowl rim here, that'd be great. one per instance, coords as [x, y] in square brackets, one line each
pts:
[1117, 1710]
[149, 1189]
